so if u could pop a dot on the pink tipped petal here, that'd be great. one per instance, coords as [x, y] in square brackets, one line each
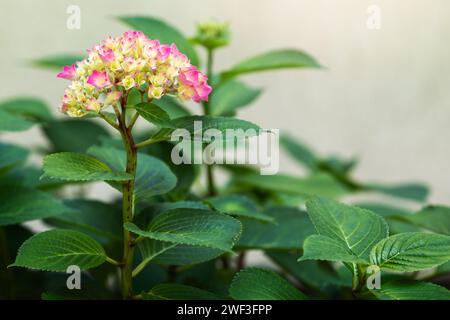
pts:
[202, 93]
[106, 54]
[99, 79]
[190, 77]
[69, 72]
[164, 51]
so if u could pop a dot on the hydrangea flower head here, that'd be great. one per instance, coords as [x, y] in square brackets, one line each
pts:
[120, 64]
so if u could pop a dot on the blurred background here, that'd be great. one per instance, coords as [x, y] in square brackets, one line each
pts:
[382, 98]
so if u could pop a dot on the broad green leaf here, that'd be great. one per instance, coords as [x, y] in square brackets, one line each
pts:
[55, 250]
[443, 268]
[72, 166]
[319, 275]
[158, 29]
[75, 135]
[411, 290]
[288, 230]
[168, 253]
[319, 184]
[239, 206]
[153, 177]
[231, 96]
[262, 284]
[11, 155]
[356, 229]
[153, 114]
[433, 218]
[20, 204]
[11, 122]
[300, 152]
[28, 108]
[173, 108]
[100, 220]
[412, 191]
[192, 227]
[58, 61]
[277, 59]
[175, 291]
[411, 251]
[318, 247]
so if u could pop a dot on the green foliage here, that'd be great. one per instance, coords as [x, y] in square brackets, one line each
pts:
[153, 114]
[72, 166]
[56, 250]
[262, 284]
[20, 204]
[81, 133]
[11, 155]
[153, 177]
[356, 229]
[192, 227]
[231, 96]
[411, 251]
[318, 247]
[238, 206]
[277, 59]
[411, 290]
[22, 113]
[288, 230]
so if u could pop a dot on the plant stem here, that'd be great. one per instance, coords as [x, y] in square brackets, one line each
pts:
[206, 110]
[127, 204]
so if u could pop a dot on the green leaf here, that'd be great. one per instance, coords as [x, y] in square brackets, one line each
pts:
[262, 284]
[411, 191]
[75, 135]
[58, 61]
[11, 122]
[153, 114]
[55, 250]
[72, 166]
[319, 184]
[277, 59]
[173, 108]
[317, 247]
[158, 29]
[319, 275]
[433, 218]
[411, 290]
[356, 229]
[28, 108]
[20, 204]
[100, 220]
[300, 152]
[177, 292]
[168, 253]
[11, 155]
[288, 230]
[153, 177]
[209, 122]
[230, 96]
[192, 227]
[239, 206]
[411, 251]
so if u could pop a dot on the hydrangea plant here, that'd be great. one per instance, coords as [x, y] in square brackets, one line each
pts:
[164, 235]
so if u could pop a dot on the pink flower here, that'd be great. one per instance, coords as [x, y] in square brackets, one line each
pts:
[190, 77]
[99, 79]
[164, 51]
[106, 54]
[69, 72]
[202, 92]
